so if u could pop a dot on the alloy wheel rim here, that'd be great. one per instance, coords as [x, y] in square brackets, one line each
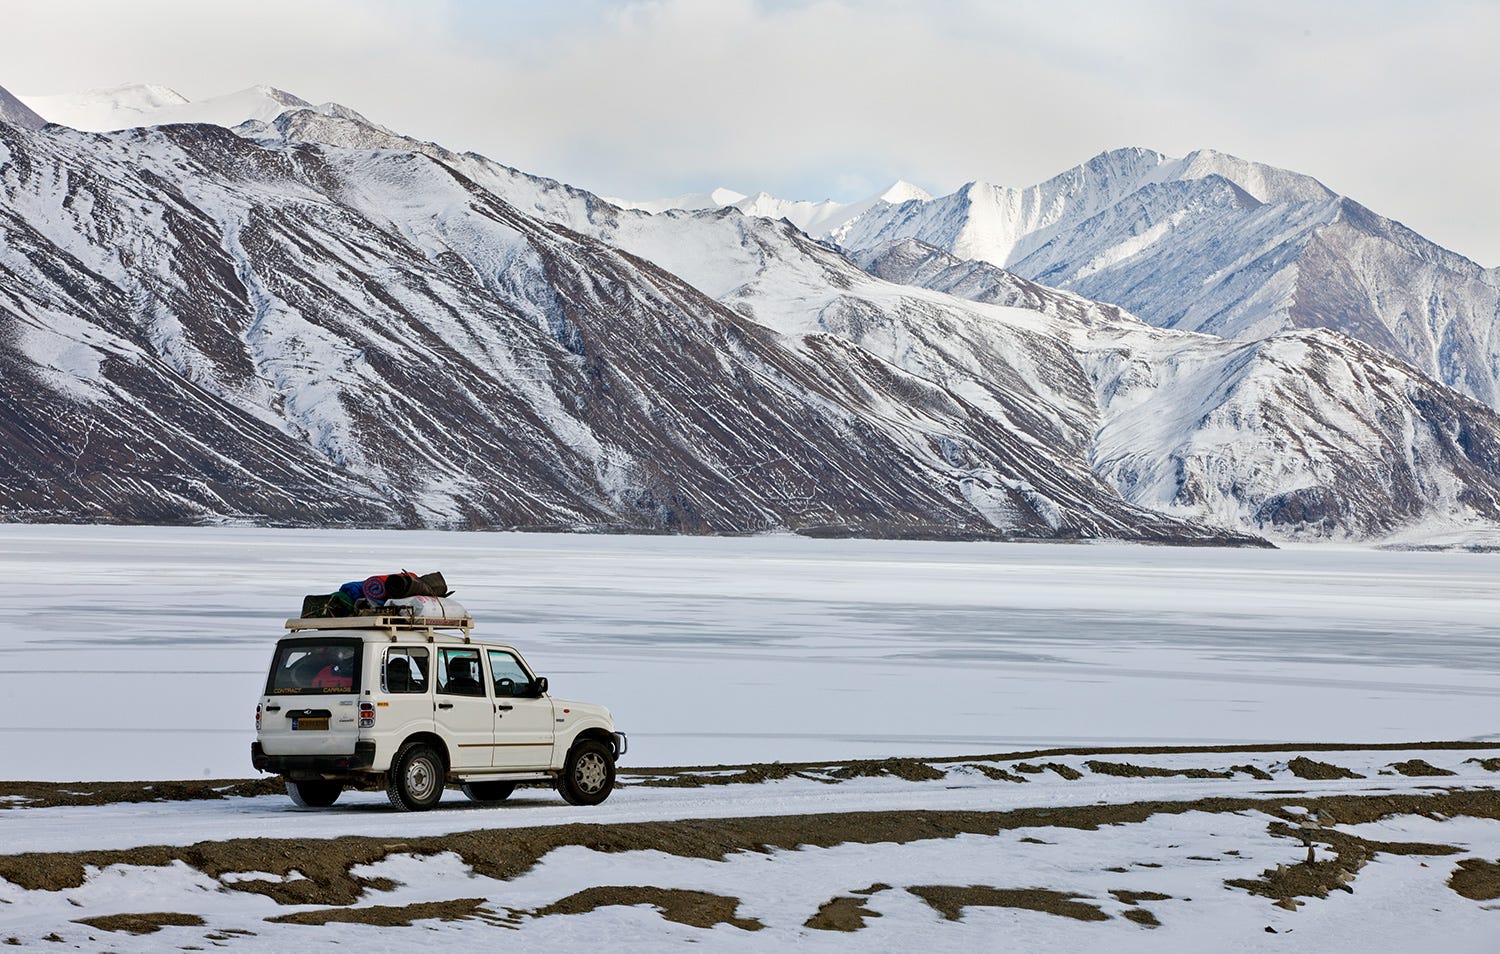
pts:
[590, 773]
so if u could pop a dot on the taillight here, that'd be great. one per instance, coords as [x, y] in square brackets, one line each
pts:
[257, 717]
[367, 715]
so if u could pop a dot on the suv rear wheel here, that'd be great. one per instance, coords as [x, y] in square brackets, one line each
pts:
[313, 793]
[488, 791]
[415, 782]
[588, 774]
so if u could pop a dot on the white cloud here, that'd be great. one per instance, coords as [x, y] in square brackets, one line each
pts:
[1389, 102]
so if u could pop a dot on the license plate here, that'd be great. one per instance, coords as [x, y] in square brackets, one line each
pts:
[307, 725]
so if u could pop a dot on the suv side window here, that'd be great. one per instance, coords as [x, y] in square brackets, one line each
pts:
[510, 678]
[460, 673]
[406, 669]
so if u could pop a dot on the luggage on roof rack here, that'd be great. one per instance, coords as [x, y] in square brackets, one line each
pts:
[375, 593]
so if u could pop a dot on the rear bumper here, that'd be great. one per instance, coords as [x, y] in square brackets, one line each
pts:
[621, 745]
[314, 766]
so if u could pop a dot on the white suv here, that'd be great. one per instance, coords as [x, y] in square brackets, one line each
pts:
[388, 701]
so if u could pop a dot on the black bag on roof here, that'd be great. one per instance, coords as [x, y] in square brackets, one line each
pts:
[333, 604]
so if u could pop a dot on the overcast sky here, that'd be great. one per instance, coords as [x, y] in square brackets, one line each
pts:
[1392, 103]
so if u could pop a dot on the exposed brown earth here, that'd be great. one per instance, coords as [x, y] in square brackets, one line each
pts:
[1126, 770]
[693, 908]
[997, 773]
[747, 775]
[57, 794]
[1419, 769]
[1304, 767]
[1136, 897]
[1066, 771]
[950, 901]
[847, 912]
[841, 914]
[386, 915]
[1141, 916]
[1284, 884]
[141, 923]
[1489, 765]
[910, 769]
[1477, 879]
[1252, 771]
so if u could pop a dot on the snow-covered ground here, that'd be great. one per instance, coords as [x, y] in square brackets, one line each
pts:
[962, 787]
[1070, 859]
[134, 653]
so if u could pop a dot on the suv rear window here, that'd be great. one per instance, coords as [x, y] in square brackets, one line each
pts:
[315, 667]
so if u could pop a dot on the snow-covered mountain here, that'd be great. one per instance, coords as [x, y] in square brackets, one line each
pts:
[1214, 243]
[317, 320]
[17, 113]
[138, 104]
[815, 218]
[201, 325]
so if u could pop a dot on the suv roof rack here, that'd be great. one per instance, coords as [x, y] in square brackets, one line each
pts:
[389, 622]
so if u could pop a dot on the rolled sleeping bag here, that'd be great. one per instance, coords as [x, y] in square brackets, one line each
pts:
[419, 586]
[429, 607]
[373, 587]
[401, 585]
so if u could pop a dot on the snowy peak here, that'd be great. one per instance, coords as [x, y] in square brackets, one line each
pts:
[104, 108]
[1214, 243]
[1107, 177]
[689, 202]
[1266, 183]
[139, 104]
[902, 191]
[815, 218]
[17, 113]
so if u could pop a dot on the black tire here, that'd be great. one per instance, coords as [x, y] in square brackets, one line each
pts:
[415, 781]
[313, 793]
[488, 791]
[588, 774]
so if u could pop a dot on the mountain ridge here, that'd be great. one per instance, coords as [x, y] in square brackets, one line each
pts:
[600, 367]
[1211, 242]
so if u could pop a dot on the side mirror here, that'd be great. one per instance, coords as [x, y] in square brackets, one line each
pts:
[539, 688]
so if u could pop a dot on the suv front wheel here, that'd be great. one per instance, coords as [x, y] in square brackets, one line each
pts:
[588, 774]
[415, 782]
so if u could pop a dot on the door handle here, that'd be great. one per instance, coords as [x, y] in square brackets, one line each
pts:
[504, 708]
[445, 705]
[273, 708]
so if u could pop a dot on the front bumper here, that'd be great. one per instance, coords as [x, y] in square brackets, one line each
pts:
[313, 766]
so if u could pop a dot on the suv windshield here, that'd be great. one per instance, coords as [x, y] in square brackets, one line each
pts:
[315, 667]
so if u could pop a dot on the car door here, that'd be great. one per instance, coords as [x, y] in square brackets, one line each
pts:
[406, 704]
[524, 725]
[465, 714]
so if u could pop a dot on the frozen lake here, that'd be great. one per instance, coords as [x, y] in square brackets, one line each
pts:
[139, 652]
